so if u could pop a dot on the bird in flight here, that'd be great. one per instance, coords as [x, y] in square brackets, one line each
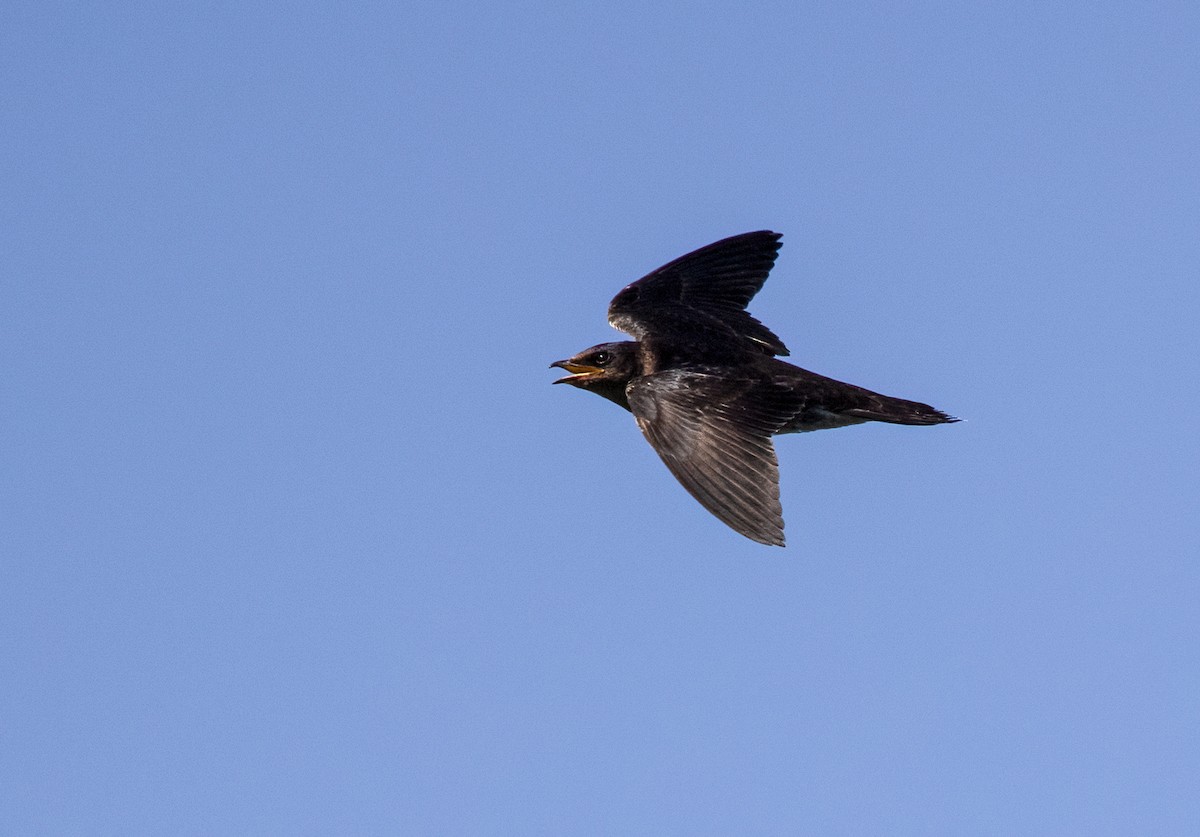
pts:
[703, 382]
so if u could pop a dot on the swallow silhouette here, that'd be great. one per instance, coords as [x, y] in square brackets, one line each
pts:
[703, 382]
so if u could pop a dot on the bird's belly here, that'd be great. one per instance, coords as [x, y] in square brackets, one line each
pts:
[818, 419]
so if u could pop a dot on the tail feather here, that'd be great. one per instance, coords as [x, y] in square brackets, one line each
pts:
[898, 411]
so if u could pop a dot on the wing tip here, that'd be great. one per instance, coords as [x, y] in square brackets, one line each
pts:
[770, 540]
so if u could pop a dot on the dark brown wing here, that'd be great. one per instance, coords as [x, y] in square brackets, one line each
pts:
[703, 296]
[715, 435]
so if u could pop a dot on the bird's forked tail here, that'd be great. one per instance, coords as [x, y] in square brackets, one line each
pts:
[898, 411]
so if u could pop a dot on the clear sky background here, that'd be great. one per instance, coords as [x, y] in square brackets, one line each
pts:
[298, 538]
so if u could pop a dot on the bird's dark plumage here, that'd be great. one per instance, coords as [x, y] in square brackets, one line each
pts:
[701, 298]
[705, 387]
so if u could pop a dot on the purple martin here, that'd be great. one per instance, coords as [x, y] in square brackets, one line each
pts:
[703, 381]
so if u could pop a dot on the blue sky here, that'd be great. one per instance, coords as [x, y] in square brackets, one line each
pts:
[298, 538]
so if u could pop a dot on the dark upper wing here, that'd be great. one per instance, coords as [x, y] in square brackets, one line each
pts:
[704, 295]
[715, 436]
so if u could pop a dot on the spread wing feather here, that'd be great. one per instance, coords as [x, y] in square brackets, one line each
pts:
[703, 295]
[715, 437]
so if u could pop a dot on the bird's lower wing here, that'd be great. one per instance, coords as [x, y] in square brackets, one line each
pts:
[715, 437]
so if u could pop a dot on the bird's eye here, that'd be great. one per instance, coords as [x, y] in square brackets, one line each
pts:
[601, 358]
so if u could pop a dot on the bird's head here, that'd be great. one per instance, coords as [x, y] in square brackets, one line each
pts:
[605, 369]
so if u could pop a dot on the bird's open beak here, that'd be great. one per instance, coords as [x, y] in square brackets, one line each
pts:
[579, 372]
